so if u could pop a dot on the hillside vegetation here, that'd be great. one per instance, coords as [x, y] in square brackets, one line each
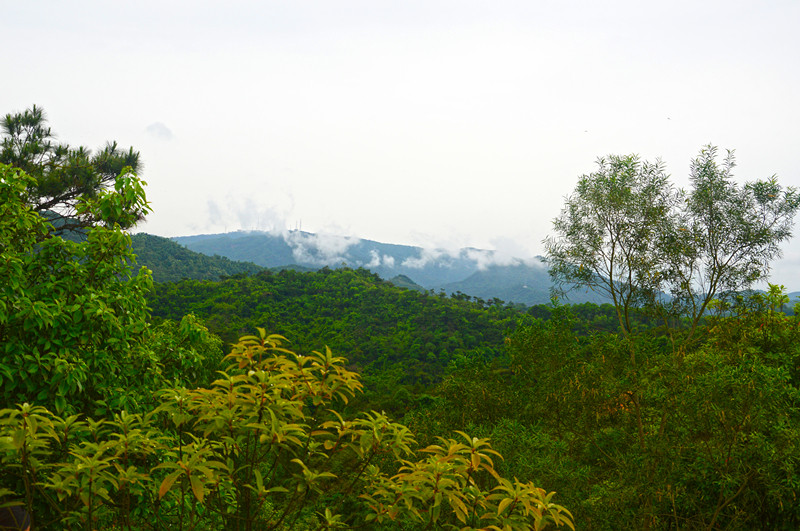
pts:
[238, 404]
[171, 262]
[470, 271]
[394, 336]
[117, 422]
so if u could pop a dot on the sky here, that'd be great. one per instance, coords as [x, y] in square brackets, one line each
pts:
[432, 123]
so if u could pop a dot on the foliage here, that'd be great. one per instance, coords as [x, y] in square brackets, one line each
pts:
[705, 438]
[626, 232]
[124, 423]
[73, 322]
[726, 236]
[68, 322]
[606, 233]
[63, 176]
[180, 353]
[393, 336]
[171, 262]
[592, 318]
[456, 473]
[259, 449]
[268, 444]
[675, 432]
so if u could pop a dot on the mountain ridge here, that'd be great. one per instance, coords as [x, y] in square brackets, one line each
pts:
[478, 273]
[427, 267]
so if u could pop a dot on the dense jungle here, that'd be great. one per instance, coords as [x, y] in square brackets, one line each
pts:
[232, 396]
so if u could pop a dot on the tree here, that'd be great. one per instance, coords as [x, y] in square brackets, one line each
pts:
[606, 233]
[697, 434]
[628, 233]
[725, 236]
[73, 320]
[265, 446]
[62, 174]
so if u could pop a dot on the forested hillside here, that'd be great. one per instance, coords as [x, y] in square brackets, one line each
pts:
[171, 262]
[392, 335]
[116, 420]
[426, 267]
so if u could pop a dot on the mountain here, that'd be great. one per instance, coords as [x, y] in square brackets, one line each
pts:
[521, 283]
[171, 262]
[427, 267]
[402, 281]
[475, 272]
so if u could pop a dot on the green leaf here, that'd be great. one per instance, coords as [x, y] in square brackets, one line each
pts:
[197, 487]
[168, 482]
[505, 502]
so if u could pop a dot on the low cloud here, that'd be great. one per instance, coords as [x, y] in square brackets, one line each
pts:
[319, 249]
[376, 259]
[484, 259]
[230, 214]
[160, 131]
[506, 248]
[506, 253]
[215, 216]
[426, 256]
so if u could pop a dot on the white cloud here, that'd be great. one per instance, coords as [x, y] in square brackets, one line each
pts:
[426, 256]
[321, 249]
[234, 213]
[506, 252]
[484, 259]
[214, 213]
[376, 259]
[160, 131]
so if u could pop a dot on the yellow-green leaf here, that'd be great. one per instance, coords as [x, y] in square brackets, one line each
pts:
[197, 488]
[167, 483]
[505, 502]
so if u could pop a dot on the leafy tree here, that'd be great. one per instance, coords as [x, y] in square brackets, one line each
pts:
[725, 237]
[606, 233]
[702, 439]
[627, 232]
[63, 175]
[675, 426]
[74, 327]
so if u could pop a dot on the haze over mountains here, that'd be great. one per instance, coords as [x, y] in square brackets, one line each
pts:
[480, 273]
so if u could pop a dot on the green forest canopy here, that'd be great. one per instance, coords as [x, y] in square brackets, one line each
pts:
[123, 421]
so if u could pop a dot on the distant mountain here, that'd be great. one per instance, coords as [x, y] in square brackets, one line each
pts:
[521, 283]
[171, 262]
[402, 281]
[426, 267]
[475, 272]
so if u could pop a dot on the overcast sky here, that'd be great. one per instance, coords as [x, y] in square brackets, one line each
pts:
[428, 123]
